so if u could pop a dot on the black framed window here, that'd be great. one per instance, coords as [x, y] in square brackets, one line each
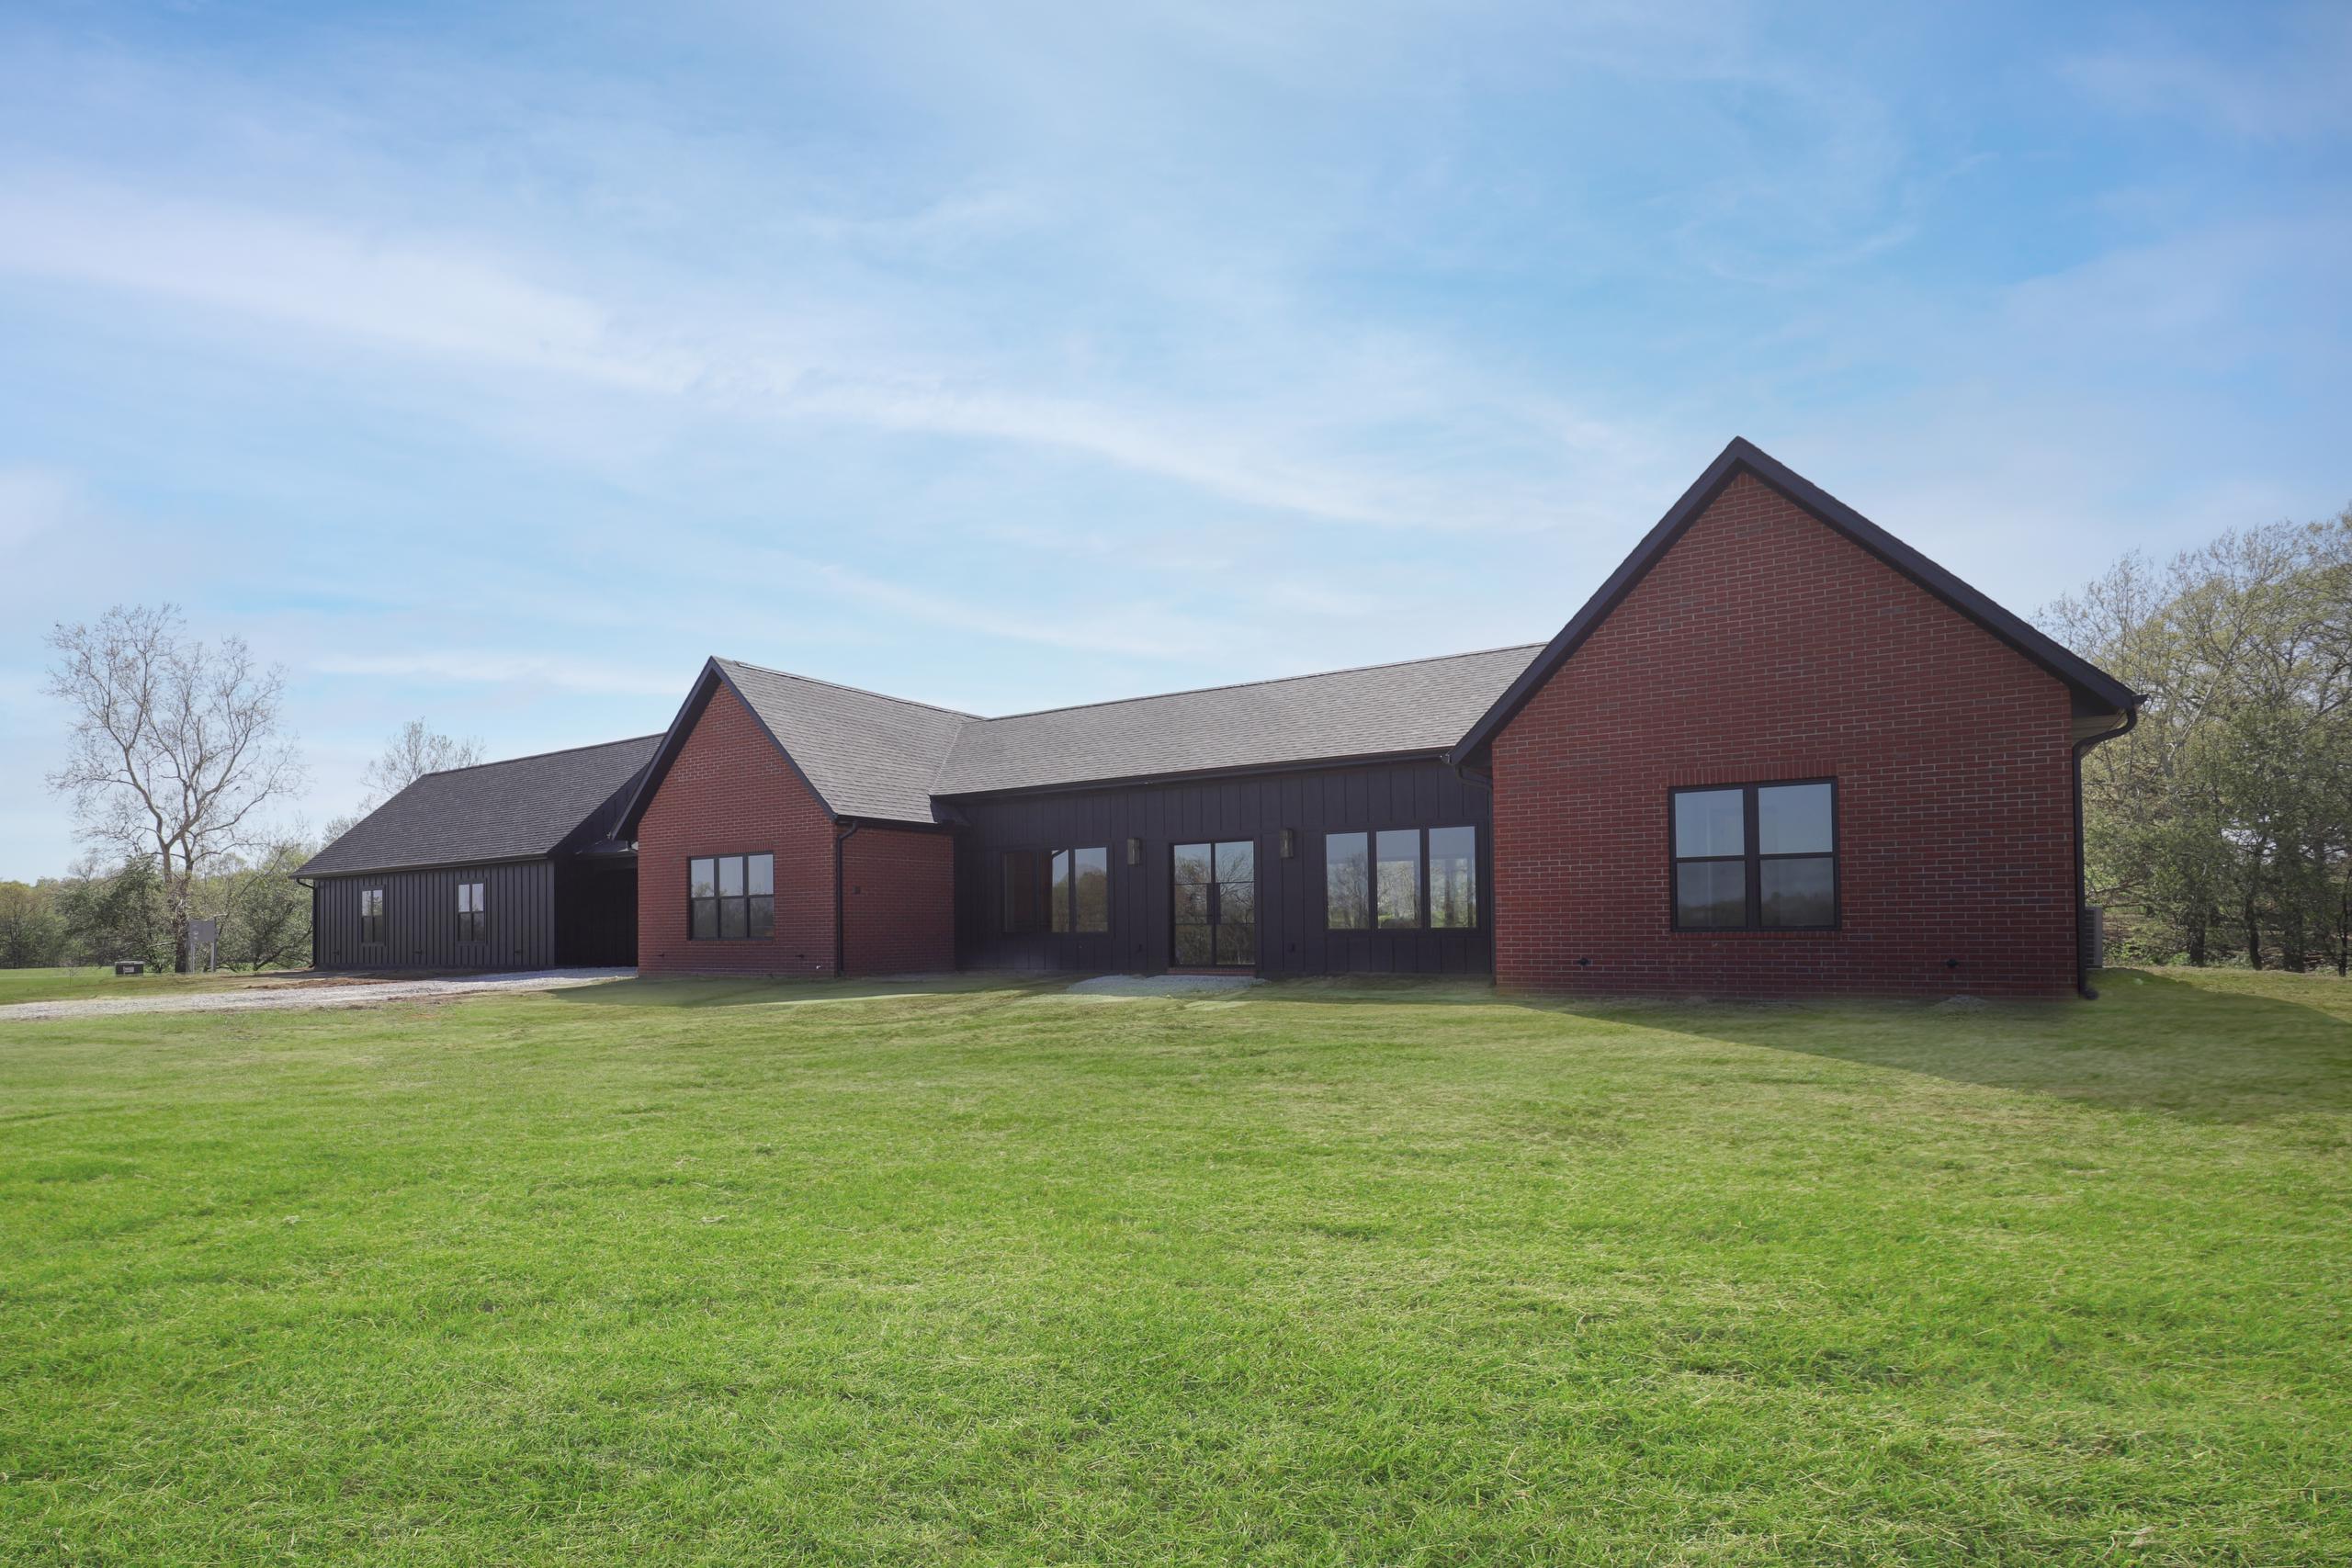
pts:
[471, 926]
[1454, 878]
[1063, 891]
[1756, 857]
[1347, 881]
[1401, 879]
[730, 899]
[372, 914]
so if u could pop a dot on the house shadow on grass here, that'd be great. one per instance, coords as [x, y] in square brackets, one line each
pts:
[2227, 1052]
[2224, 1047]
[715, 991]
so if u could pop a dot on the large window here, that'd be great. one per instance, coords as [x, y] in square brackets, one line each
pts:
[730, 899]
[1756, 857]
[1057, 890]
[1401, 879]
[371, 915]
[470, 922]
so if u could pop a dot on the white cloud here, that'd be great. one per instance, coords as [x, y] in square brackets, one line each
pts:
[461, 303]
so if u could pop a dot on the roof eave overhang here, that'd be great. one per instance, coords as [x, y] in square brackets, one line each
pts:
[457, 863]
[2085, 679]
[1189, 775]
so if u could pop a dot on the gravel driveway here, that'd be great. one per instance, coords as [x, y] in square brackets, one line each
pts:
[322, 993]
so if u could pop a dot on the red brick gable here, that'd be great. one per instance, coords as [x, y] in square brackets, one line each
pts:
[1761, 645]
[730, 791]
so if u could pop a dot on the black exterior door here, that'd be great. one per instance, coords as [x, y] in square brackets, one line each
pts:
[1215, 888]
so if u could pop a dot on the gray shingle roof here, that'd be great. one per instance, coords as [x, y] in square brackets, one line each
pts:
[526, 805]
[1423, 705]
[865, 754]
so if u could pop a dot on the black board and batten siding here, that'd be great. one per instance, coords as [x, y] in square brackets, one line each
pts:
[1291, 934]
[420, 919]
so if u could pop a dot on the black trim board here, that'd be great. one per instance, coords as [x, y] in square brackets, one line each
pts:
[2084, 678]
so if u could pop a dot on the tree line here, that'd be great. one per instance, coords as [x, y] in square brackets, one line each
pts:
[102, 913]
[2220, 829]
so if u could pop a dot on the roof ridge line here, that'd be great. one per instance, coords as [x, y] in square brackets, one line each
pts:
[844, 686]
[535, 756]
[1264, 681]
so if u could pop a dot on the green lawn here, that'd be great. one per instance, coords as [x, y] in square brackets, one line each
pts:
[731, 1274]
[100, 980]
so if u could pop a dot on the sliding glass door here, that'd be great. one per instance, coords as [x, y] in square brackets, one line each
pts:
[1216, 890]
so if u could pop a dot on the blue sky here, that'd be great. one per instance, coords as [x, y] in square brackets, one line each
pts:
[494, 364]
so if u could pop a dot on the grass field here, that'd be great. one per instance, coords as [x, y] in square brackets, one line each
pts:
[100, 980]
[727, 1273]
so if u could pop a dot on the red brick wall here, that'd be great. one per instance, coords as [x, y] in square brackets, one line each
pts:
[900, 913]
[1765, 645]
[730, 791]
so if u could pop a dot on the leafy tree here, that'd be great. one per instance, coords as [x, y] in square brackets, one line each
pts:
[2222, 828]
[264, 913]
[116, 914]
[32, 934]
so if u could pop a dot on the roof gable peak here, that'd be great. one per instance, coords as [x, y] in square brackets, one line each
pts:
[1742, 455]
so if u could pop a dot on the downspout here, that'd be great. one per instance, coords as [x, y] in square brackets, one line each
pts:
[841, 920]
[2082, 876]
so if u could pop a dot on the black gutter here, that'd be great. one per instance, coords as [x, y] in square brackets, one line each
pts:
[841, 921]
[2082, 748]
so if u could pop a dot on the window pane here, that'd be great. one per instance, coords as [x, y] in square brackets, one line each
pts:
[1191, 903]
[1236, 863]
[1193, 944]
[762, 915]
[1710, 894]
[1793, 819]
[1453, 877]
[1237, 902]
[731, 919]
[730, 876]
[1347, 881]
[1094, 890]
[1707, 822]
[1061, 890]
[762, 877]
[703, 924]
[702, 879]
[1191, 862]
[1236, 944]
[1397, 880]
[1800, 892]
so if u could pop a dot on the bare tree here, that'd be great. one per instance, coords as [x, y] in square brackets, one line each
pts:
[175, 746]
[412, 753]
